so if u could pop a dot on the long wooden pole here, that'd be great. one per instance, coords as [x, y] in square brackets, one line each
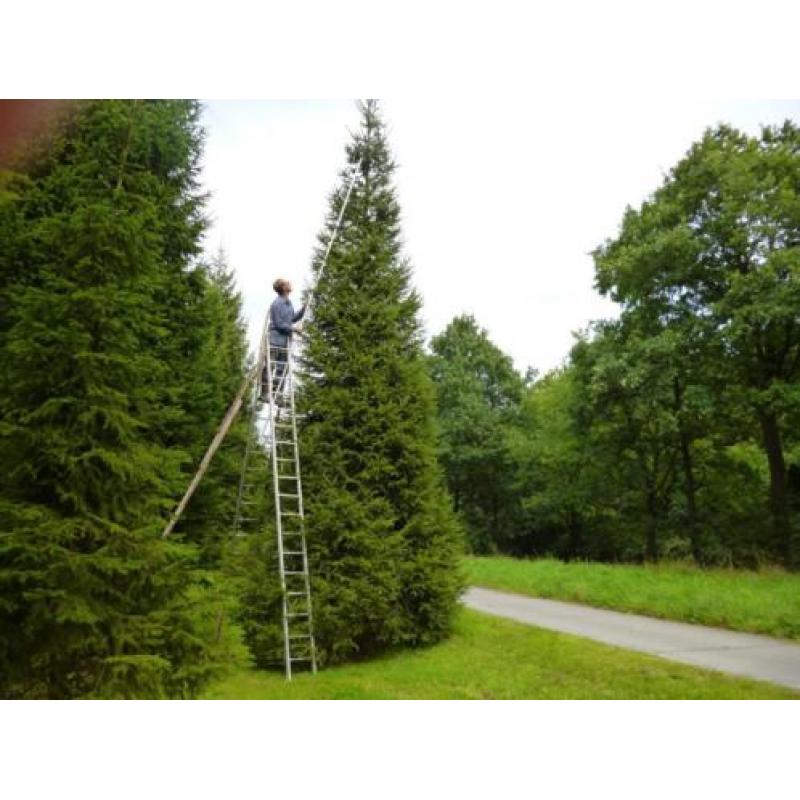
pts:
[222, 431]
[334, 234]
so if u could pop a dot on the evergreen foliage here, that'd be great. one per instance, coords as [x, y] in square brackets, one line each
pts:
[211, 385]
[383, 541]
[104, 317]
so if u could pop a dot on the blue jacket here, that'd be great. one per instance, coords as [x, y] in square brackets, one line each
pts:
[281, 317]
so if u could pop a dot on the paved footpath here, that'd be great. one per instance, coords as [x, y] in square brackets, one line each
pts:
[747, 654]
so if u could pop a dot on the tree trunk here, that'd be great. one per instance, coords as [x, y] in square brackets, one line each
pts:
[689, 485]
[651, 541]
[218, 626]
[494, 534]
[575, 538]
[778, 486]
[690, 490]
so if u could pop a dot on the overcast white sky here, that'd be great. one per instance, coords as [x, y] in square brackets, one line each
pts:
[502, 202]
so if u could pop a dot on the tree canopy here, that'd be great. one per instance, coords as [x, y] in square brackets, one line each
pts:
[714, 256]
[671, 431]
[478, 396]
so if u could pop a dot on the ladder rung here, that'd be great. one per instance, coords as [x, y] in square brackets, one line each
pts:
[291, 514]
[287, 494]
[284, 441]
[294, 572]
[293, 553]
[299, 635]
[298, 614]
[296, 594]
[300, 658]
[279, 458]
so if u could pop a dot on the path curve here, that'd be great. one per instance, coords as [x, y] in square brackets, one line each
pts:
[747, 654]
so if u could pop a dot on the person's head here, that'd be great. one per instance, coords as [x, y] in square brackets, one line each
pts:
[282, 287]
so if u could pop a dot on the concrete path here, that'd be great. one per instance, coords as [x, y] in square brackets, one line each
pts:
[746, 654]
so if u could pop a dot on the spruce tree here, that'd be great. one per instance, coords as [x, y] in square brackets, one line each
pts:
[100, 305]
[383, 541]
[210, 386]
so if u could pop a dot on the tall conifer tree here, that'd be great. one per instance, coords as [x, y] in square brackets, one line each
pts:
[383, 540]
[384, 543]
[100, 310]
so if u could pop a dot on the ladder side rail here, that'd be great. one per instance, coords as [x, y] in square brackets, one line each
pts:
[251, 434]
[278, 521]
[252, 430]
[299, 483]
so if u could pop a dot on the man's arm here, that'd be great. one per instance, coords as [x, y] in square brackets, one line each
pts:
[299, 315]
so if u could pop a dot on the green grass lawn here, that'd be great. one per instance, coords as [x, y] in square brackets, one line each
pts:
[763, 602]
[491, 658]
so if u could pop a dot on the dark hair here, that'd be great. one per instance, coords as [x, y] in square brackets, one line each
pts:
[280, 285]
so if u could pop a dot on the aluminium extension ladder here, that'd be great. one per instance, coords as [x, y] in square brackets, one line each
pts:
[273, 430]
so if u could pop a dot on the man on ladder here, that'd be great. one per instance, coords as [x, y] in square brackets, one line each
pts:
[282, 317]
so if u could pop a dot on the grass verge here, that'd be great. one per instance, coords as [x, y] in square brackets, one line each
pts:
[491, 658]
[761, 602]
